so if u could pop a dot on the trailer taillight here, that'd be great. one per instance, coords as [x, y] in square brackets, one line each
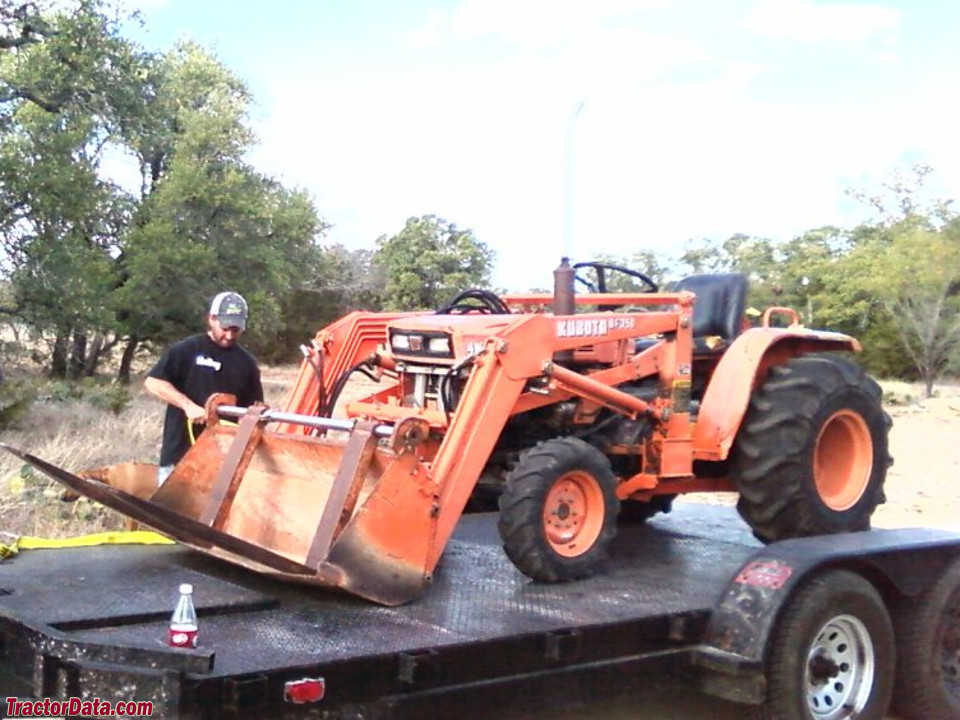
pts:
[307, 690]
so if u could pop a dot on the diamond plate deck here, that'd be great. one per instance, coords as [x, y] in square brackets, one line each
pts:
[123, 595]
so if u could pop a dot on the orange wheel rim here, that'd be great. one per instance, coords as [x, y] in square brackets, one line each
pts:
[573, 514]
[843, 460]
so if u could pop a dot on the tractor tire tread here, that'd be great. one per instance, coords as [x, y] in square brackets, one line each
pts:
[772, 466]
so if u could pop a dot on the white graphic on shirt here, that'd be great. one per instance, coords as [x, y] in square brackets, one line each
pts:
[204, 361]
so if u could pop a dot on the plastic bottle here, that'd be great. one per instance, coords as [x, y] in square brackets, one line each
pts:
[183, 622]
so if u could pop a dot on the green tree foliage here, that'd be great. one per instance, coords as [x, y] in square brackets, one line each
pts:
[61, 224]
[428, 262]
[344, 280]
[893, 283]
[207, 220]
[91, 264]
[904, 269]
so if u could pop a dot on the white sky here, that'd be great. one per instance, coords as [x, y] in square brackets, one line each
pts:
[699, 118]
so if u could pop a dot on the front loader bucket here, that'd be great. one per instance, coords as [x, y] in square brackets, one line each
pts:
[349, 514]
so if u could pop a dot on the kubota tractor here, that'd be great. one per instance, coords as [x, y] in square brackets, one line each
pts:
[569, 409]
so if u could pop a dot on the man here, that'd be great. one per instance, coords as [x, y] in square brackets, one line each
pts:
[195, 368]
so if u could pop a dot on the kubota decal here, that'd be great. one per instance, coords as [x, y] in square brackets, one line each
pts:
[591, 327]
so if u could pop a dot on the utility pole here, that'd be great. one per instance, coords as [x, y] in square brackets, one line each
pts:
[570, 179]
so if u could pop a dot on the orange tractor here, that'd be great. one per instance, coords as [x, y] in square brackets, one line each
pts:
[569, 409]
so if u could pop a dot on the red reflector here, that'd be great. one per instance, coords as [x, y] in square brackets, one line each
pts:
[307, 690]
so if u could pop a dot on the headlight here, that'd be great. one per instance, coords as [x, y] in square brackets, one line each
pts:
[439, 345]
[421, 343]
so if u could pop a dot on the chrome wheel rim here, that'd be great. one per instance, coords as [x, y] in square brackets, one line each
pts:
[840, 671]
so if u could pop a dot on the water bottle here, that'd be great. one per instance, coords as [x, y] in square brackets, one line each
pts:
[183, 622]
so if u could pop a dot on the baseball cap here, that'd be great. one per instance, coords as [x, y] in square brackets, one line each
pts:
[230, 309]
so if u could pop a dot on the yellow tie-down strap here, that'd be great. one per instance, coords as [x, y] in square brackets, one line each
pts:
[113, 537]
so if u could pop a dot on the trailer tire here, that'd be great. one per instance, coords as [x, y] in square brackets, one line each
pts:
[831, 653]
[811, 455]
[928, 651]
[558, 510]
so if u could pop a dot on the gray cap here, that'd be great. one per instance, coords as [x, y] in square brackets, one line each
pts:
[230, 309]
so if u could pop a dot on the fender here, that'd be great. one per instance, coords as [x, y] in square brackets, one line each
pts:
[743, 367]
[900, 563]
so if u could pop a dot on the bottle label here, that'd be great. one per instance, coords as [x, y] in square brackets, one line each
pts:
[182, 635]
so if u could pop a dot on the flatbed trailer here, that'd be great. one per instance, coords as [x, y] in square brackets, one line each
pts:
[689, 596]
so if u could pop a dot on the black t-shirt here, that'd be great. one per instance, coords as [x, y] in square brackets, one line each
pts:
[198, 367]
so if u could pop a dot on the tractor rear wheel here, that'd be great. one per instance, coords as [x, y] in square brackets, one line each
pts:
[811, 455]
[558, 510]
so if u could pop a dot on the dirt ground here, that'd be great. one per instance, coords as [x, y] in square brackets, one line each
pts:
[923, 486]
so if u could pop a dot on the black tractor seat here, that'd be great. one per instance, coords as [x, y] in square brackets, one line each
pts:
[718, 312]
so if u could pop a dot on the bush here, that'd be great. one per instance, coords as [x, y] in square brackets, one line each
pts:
[15, 400]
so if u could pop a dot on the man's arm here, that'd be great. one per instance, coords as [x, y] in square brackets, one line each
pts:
[166, 391]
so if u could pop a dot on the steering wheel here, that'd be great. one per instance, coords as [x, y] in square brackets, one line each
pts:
[475, 300]
[602, 267]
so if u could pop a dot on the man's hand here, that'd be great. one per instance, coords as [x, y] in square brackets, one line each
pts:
[195, 413]
[165, 391]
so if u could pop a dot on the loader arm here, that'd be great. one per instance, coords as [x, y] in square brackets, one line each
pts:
[524, 351]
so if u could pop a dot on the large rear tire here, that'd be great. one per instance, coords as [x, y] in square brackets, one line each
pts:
[831, 653]
[558, 510]
[928, 651]
[811, 455]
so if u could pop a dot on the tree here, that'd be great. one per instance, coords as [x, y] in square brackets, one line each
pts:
[428, 262]
[60, 74]
[908, 263]
[91, 264]
[59, 236]
[81, 55]
[207, 219]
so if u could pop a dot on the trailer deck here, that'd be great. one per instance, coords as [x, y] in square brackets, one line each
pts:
[91, 622]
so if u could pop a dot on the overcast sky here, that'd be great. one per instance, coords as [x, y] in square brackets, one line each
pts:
[553, 127]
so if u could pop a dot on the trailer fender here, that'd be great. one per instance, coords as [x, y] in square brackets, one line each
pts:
[900, 563]
[743, 367]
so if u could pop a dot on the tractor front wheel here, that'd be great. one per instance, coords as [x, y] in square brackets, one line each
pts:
[558, 510]
[811, 455]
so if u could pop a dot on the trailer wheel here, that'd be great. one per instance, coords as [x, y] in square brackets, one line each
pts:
[928, 651]
[831, 654]
[558, 510]
[811, 455]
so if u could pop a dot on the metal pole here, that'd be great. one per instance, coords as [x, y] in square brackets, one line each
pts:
[308, 420]
[570, 179]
